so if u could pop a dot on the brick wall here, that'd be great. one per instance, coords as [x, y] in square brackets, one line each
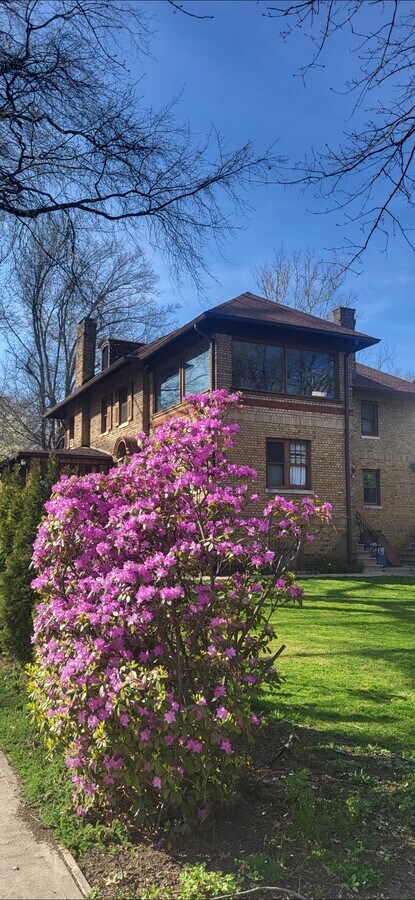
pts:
[393, 454]
[131, 376]
[85, 351]
[319, 422]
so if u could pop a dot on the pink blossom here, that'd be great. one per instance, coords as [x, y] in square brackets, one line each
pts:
[132, 633]
[194, 746]
[203, 812]
[220, 691]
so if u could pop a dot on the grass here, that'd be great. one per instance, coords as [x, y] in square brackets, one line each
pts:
[344, 795]
[44, 782]
[350, 664]
[349, 693]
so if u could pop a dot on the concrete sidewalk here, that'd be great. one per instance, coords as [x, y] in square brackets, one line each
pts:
[31, 869]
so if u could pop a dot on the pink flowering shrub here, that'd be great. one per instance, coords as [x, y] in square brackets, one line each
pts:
[157, 589]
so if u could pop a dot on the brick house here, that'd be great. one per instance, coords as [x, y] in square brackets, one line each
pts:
[313, 419]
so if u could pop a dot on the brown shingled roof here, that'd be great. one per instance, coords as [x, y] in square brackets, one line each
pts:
[250, 307]
[375, 380]
[246, 308]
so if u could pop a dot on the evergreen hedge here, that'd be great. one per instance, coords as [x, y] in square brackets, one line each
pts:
[21, 509]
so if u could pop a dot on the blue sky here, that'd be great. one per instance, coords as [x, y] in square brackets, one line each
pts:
[235, 72]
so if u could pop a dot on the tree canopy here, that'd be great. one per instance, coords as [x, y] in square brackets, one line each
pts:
[74, 133]
[369, 176]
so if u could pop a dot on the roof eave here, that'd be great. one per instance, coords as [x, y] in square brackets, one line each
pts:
[356, 339]
[59, 410]
[363, 340]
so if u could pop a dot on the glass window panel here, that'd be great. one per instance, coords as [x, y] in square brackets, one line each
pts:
[123, 404]
[258, 367]
[103, 416]
[275, 475]
[275, 463]
[196, 373]
[298, 464]
[298, 454]
[371, 487]
[369, 418]
[275, 451]
[168, 388]
[310, 373]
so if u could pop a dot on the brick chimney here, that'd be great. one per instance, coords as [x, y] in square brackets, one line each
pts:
[346, 316]
[85, 351]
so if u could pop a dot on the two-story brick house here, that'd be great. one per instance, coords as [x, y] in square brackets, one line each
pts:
[313, 419]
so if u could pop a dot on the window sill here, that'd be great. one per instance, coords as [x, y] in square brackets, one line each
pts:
[289, 491]
[124, 424]
[286, 396]
[168, 410]
[371, 506]
[370, 437]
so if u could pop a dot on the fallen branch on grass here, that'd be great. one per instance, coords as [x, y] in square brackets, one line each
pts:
[282, 749]
[252, 892]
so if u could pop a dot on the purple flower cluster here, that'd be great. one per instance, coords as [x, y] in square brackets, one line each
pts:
[156, 589]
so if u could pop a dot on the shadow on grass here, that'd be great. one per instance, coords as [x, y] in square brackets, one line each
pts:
[399, 657]
[355, 729]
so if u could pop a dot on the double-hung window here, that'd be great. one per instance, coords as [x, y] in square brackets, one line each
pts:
[71, 432]
[371, 487]
[190, 375]
[288, 464]
[369, 419]
[106, 407]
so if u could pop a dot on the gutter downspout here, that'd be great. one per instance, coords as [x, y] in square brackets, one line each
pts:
[347, 472]
[211, 340]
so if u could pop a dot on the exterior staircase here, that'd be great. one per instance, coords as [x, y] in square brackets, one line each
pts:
[408, 556]
[374, 549]
[371, 566]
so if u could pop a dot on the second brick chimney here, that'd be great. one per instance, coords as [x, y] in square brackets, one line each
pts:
[345, 316]
[85, 351]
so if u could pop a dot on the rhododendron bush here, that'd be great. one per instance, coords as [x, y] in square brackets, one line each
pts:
[157, 589]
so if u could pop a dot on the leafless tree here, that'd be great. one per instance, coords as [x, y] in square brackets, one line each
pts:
[305, 282]
[59, 274]
[385, 358]
[74, 134]
[15, 421]
[370, 176]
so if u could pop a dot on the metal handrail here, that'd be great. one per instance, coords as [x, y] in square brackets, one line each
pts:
[368, 533]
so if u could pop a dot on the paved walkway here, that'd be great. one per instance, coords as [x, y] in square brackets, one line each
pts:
[30, 869]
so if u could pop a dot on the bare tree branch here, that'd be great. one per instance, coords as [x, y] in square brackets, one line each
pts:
[59, 275]
[304, 281]
[370, 176]
[75, 135]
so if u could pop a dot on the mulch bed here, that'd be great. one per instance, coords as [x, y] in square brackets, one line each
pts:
[256, 822]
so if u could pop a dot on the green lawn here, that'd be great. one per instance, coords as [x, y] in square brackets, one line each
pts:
[350, 662]
[339, 805]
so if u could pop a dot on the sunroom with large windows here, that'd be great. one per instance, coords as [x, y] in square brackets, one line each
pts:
[189, 375]
[267, 368]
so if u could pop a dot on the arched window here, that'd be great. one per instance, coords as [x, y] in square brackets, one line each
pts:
[125, 448]
[105, 357]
